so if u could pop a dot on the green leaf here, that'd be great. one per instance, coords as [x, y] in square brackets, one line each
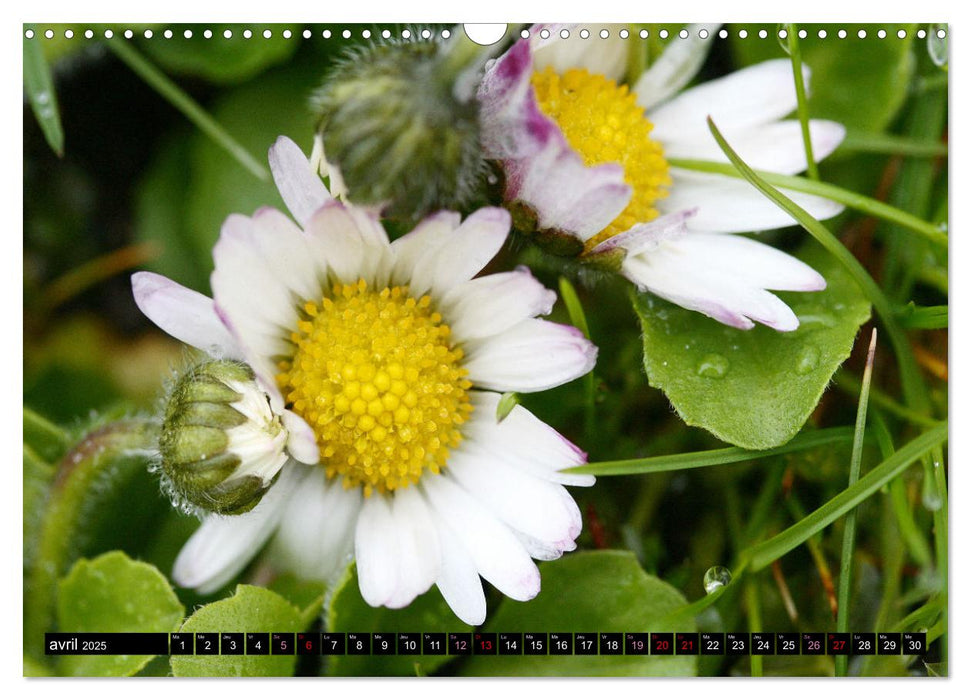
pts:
[39, 86]
[753, 388]
[858, 85]
[222, 60]
[603, 591]
[114, 594]
[250, 609]
[349, 613]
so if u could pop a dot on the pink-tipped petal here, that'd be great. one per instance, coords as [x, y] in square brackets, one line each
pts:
[184, 314]
[301, 188]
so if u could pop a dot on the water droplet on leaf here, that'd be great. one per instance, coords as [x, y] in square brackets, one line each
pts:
[808, 360]
[713, 366]
[716, 577]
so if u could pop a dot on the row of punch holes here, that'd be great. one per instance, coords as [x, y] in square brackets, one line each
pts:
[583, 33]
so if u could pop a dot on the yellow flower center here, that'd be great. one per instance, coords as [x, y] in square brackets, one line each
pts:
[604, 124]
[376, 377]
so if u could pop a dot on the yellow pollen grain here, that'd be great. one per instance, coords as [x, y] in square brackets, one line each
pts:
[376, 376]
[604, 124]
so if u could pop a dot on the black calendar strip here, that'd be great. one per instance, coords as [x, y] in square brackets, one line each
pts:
[489, 643]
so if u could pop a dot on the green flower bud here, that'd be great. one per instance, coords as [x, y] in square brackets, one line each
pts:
[400, 124]
[221, 445]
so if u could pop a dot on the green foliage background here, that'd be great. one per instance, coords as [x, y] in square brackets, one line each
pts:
[139, 187]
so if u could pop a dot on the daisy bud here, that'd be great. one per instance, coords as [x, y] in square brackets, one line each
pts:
[221, 446]
[400, 124]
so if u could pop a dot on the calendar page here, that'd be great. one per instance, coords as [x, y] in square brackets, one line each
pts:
[485, 350]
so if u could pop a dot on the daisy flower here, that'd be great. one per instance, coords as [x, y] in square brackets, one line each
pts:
[384, 360]
[586, 157]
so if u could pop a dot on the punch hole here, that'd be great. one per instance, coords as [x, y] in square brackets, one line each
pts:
[643, 34]
[267, 34]
[803, 34]
[425, 33]
[544, 34]
[306, 34]
[763, 34]
[68, 34]
[405, 33]
[663, 33]
[29, 34]
[921, 34]
[49, 34]
[623, 33]
[207, 34]
[187, 33]
[901, 34]
[742, 34]
[604, 33]
[821, 33]
[247, 34]
[228, 34]
[564, 33]
[88, 34]
[386, 34]
[584, 34]
[941, 34]
[346, 33]
[524, 34]
[882, 34]
[109, 33]
[446, 33]
[148, 34]
[486, 34]
[129, 33]
[841, 33]
[167, 33]
[367, 33]
[287, 34]
[723, 34]
[683, 34]
[703, 33]
[783, 34]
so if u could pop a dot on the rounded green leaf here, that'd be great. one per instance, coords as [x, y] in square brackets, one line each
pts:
[114, 594]
[753, 388]
[603, 591]
[349, 613]
[250, 609]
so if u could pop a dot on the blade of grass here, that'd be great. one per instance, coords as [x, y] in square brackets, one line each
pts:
[39, 86]
[890, 144]
[849, 530]
[851, 385]
[761, 555]
[179, 99]
[579, 319]
[802, 109]
[707, 458]
[853, 200]
[923, 317]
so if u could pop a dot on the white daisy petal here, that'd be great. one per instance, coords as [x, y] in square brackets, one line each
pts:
[223, 545]
[489, 305]
[301, 188]
[425, 239]
[606, 57]
[335, 236]
[727, 296]
[286, 251]
[498, 555]
[675, 67]
[458, 579]
[376, 551]
[316, 534]
[776, 147]
[184, 314]
[540, 550]
[420, 557]
[524, 441]
[527, 504]
[301, 443]
[727, 205]
[533, 355]
[748, 97]
[464, 252]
